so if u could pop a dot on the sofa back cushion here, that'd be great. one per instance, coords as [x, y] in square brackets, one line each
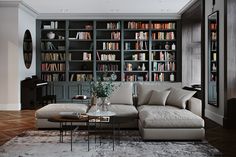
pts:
[144, 90]
[158, 97]
[179, 97]
[123, 93]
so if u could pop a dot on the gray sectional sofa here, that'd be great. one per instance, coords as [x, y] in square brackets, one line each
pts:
[162, 111]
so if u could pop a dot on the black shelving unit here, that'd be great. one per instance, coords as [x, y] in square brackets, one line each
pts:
[99, 49]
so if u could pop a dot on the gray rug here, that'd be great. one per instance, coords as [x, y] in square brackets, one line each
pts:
[46, 144]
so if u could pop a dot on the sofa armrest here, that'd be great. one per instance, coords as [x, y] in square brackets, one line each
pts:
[195, 106]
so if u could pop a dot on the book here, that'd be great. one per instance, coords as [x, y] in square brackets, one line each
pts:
[98, 56]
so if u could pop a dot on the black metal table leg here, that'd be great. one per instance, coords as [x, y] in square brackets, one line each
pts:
[71, 137]
[113, 130]
[60, 132]
[95, 130]
[119, 133]
[88, 133]
[100, 130]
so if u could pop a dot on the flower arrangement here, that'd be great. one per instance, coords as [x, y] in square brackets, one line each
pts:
[102, 89]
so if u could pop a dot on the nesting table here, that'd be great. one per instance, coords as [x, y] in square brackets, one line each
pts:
[92, 120]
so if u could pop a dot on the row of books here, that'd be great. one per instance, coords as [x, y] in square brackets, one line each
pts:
[53, 77]
[169, 25]
[52, 25]
[50, 46]
[110, 46]
[83, 36]
[159, 77]
[133, 77]
[53, 67]
[87, 56]
[141, 35]
[169, 66]
[53, 56]
[115, 35]
[107, 67]
[213, 26]
[163, 36]
[106, 57]
[213, 35]
[139, 56]
[113, 25]
[137, 25]
[163, 55]
[139, 45]
[81, 77]
[142, 25]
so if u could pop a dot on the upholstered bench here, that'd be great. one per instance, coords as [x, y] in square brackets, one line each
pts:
[50, 110]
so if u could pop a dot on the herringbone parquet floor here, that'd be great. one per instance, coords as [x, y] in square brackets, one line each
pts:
[13, 123]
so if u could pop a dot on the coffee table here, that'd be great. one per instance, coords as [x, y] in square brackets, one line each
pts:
[64, 121]
[98, 117]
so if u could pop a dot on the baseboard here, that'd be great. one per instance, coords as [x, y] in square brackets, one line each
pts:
[10, 107]
[214, 117]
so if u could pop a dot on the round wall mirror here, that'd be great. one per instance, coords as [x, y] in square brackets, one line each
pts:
[27, 49]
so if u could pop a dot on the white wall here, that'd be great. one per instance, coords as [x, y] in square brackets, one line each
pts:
[215, 113]
[14, 21]
[8, 59]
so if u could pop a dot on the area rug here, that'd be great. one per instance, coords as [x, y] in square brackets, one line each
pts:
[46, 144]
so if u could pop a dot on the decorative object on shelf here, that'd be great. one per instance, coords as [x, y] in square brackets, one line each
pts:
[173, 46]
[167, 46]
[113, 76]
[51, 35]
[172, 77]
[129, 67]
[143, 67]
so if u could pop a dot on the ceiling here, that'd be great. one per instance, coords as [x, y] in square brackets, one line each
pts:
[109, 6]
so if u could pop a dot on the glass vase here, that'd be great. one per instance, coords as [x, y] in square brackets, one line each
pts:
[104, 104]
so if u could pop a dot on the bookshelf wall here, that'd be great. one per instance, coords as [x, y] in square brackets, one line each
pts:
[126, 50]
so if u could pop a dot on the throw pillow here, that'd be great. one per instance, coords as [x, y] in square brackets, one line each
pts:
[158, 97]
[179, 97]
[123, 93]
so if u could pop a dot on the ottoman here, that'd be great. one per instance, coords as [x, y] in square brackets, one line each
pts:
[42, 114]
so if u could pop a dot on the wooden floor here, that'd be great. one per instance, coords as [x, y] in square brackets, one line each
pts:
[12, 123]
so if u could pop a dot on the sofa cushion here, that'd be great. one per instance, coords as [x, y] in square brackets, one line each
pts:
[144, 90]
[179, 97]
[120, 110]
[168, 117]
[54, 109]
[122, 94]
[158, 97]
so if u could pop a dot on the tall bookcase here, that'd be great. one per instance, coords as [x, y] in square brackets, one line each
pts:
[108, 50]
[163, 51]
[136, 50]
[53, 50]
[80, 50]
[124, 50]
